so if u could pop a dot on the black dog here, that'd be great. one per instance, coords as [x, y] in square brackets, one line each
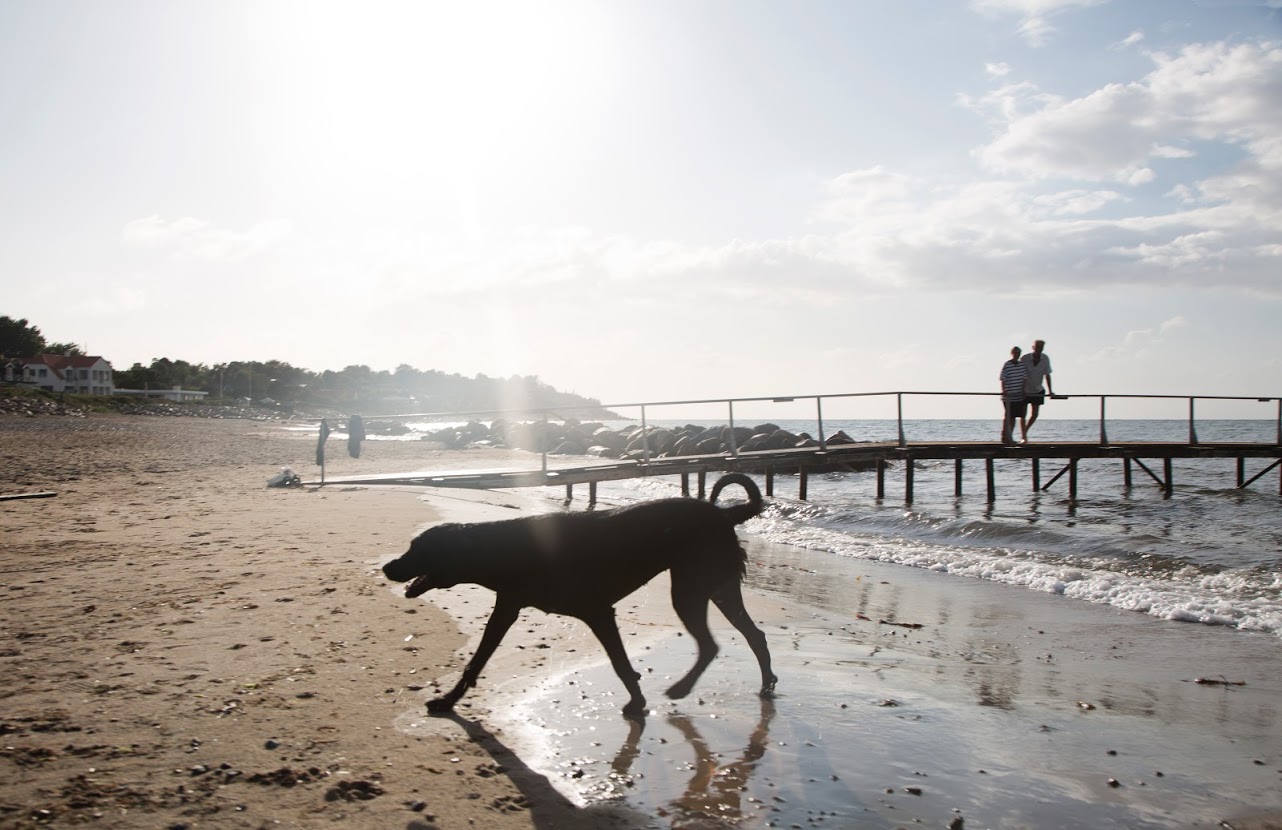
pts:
[581, 564]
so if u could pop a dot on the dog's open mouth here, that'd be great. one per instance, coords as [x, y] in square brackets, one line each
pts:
[417, 587]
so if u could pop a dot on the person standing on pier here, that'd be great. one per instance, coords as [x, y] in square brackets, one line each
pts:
[1012, 380]
[1038, 366]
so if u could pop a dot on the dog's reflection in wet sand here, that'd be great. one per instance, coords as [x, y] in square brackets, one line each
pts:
[717, 788]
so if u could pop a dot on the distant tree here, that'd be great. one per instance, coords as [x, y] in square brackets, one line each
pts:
[356, 388]
[19, 339]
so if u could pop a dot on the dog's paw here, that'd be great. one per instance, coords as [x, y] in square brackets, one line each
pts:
[679, 690]
[635, 710]
[440, 705]
[768, 688]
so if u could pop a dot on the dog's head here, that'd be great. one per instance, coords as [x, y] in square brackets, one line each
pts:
[424, 565]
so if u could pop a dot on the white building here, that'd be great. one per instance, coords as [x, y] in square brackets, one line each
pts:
[76, 374]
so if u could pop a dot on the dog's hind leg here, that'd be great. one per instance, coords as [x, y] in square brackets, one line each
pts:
[690, 600]
[607, 631]
[729, 598]
[501, 619]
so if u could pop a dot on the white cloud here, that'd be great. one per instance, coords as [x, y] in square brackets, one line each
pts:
[197, 239]
[1130, 40]
[1136, 342]
[1221, 92]
[1077, 202]
[1190, 249]
[997, 70]
[904, 357]
[1032, 7]
[1036, 30]
[1034, 25]
[152, 231]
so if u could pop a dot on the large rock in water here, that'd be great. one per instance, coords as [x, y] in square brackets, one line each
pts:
[570, 447]
[606, 437]
[657, 440]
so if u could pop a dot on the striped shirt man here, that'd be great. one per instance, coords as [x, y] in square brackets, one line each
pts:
[1013, 376]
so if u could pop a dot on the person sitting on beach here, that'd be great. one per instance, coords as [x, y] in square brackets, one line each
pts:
[1038, 366]
[1012, 380]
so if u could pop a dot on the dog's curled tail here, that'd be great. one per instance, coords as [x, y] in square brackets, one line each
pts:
[739, 513]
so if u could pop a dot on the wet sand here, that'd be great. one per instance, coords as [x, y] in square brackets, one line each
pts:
[906, 698]
[185, 647]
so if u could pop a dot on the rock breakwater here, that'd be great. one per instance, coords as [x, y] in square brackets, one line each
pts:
[631, 442]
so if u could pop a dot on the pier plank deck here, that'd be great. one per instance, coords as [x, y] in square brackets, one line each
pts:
[861, 456]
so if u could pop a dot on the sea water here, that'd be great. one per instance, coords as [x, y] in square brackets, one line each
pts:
[1211, 553]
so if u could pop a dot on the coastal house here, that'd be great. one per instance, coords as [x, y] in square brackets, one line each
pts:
[174, 393]
[77, 374]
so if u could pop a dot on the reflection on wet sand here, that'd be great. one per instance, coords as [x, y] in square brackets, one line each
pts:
[716, 790]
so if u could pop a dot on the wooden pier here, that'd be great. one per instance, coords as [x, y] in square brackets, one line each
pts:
[1138, 459]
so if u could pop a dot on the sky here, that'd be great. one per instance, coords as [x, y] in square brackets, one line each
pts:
[660, 200]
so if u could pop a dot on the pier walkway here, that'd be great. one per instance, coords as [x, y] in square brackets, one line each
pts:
[1140, 459]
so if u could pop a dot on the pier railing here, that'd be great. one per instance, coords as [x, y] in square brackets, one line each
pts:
[646, 408]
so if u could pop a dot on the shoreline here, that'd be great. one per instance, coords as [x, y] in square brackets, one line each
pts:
[190, 647]
[1003, 709]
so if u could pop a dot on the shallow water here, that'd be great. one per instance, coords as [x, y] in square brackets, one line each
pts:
[1212, 553]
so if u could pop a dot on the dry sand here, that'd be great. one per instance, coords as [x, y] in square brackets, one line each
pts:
[184, 647]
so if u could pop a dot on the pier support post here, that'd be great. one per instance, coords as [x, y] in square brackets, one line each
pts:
[1241, 472]
[703, 484]
[1037, 474]
[802, 484]
[1169, 487]
[569, 492]
[1072, 481]
[881, 479]
[591, 494]
[770, 482]
[957, 478]
[908, 480]
[685, 484]
[1126, 473]
[992, 486]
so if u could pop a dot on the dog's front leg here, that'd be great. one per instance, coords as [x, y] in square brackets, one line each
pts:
[501, 619]
[607, 631]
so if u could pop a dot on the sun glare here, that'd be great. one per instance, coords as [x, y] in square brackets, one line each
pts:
[406, 87]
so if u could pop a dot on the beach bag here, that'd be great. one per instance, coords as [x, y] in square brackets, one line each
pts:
[285, 478]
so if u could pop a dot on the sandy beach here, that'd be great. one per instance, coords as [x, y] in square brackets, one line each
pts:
[185, 647]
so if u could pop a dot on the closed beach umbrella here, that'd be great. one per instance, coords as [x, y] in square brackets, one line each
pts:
[320, 445]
